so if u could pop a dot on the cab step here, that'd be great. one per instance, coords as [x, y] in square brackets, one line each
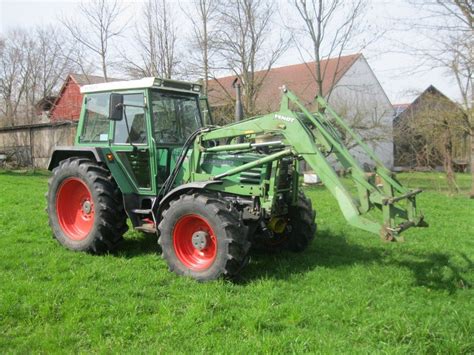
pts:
[147, 228]
[142, 211]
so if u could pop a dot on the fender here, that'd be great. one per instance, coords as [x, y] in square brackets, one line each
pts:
[197, 185]
[61, 153]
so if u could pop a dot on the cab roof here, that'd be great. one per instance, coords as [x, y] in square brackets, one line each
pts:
[144, 83]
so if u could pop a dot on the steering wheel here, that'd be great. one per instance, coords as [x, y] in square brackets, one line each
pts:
[141, 137]
[167, 135]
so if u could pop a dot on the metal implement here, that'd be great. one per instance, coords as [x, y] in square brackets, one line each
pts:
[309, 136]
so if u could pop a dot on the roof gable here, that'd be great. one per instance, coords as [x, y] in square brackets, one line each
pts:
[431, 97]
[80, 80]
[69, 78]
[427, 95]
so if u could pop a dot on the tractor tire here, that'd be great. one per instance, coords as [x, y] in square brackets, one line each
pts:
[300, 230]
[85, 207]
[203, 237]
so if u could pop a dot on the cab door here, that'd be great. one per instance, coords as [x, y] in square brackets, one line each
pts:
[174, 117]
[132, 142]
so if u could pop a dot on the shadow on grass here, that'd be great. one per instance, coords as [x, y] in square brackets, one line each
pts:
[140, 244]
[432, 270]
[436, 271]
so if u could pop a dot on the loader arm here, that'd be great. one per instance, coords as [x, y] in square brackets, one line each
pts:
[314, 137]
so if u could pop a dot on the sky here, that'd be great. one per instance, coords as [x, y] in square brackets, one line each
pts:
[396, 71]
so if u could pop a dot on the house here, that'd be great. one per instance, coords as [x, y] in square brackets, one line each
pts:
[299, 78]
[67, 105]
[412, 150]
[349, 85]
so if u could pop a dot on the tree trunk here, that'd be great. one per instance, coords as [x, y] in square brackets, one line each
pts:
[9, 112]
[471, 162]
[104, 68]
[206, 53]
[448, 163]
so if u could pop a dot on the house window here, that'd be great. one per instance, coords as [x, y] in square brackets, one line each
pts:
[96, 118]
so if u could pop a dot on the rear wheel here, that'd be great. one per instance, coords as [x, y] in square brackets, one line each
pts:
[85, 207]
[203, 237]
[303, 224]
[299, 231]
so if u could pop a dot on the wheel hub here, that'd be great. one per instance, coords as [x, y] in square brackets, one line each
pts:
[194, 242]
[75, 208]
[199, 240]
[86, 207]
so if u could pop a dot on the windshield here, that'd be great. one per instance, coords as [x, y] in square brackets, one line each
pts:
[175, 116]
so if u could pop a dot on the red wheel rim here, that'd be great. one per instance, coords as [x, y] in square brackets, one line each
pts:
[75, 208]
[192, 230]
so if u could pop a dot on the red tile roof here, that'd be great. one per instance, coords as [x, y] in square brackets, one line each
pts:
[299, 78]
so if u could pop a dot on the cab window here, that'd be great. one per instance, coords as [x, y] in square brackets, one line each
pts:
[96, 118]
[135, 118]
[175, 117]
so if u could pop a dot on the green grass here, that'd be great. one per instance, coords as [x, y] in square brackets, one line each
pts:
[348, 293]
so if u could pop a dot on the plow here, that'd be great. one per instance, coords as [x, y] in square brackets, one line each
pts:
[147, 152]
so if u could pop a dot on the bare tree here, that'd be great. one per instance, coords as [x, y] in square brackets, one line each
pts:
[49, 61]
[449, 32]
[13, 74]
[244, 45]
[326, 31]
[54, 59]
[368, 118]
[332, 27]
[33, 65]
[203, 17]
[97, 28]
[156, 38]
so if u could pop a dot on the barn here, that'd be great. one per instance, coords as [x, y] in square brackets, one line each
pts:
[67, 106]
[412, 151]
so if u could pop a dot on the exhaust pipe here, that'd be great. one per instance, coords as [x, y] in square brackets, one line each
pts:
[239, 110]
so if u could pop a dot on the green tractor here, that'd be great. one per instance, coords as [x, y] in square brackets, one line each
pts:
[147, 150]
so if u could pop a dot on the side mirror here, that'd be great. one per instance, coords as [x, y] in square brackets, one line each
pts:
[116, 107]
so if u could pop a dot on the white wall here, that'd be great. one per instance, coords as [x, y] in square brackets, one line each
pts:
[360, 99]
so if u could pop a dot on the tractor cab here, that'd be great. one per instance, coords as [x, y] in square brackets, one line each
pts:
[144, 123]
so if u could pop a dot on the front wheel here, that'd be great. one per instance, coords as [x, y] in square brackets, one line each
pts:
[203, 237]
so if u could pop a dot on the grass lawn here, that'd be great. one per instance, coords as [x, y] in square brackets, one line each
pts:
[349, 292]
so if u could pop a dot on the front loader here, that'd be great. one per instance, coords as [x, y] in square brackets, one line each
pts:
[146, 150]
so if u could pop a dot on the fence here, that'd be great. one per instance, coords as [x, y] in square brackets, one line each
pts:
[32, 145]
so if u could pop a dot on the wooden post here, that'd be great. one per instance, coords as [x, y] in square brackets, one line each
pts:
[30, 132]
